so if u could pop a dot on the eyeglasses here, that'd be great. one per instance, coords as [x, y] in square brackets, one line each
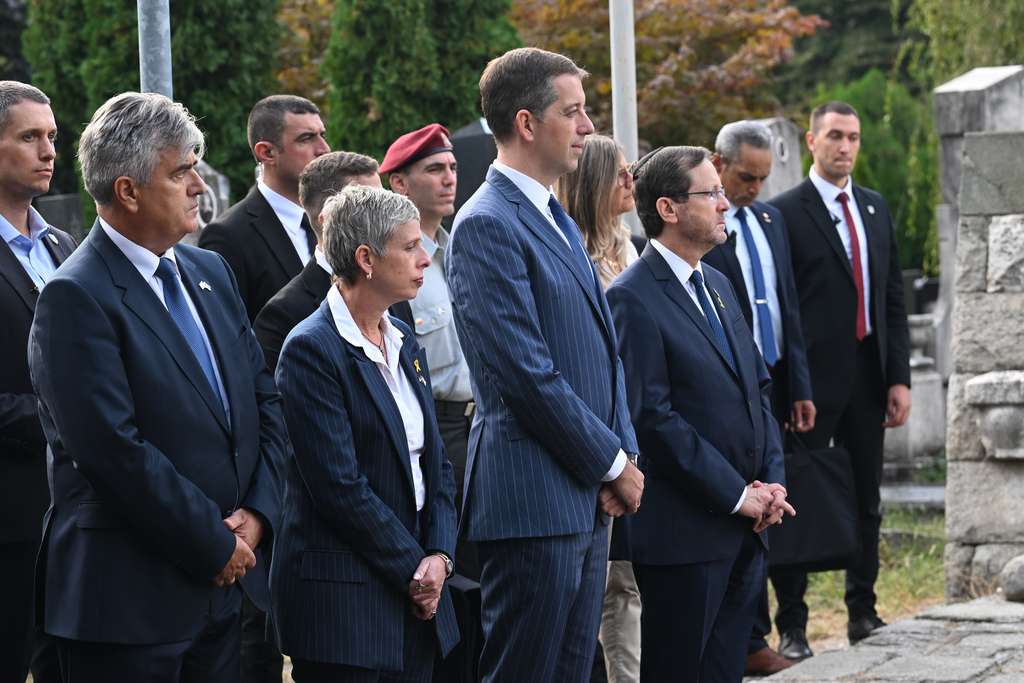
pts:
[624, 178]
[712, 195]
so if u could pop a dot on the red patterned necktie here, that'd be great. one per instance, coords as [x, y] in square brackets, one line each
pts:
[858, 273]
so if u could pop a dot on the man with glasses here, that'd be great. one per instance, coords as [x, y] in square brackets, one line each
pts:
[755, 258]
[700, 401]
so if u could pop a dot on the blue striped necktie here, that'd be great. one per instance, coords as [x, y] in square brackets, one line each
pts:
[174, 298]
[717, 331]
[769, 350]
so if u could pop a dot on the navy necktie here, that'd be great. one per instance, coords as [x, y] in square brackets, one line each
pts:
[310, 235]
[572, 233]
[174, 298]
[769, 350]
[717, 331]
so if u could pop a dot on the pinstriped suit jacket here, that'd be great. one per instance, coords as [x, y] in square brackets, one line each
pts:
[350, 540]
[538, 336]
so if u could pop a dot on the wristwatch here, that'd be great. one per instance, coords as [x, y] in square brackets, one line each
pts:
[449, 566]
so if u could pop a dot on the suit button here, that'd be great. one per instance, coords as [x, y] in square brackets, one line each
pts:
[236, 454]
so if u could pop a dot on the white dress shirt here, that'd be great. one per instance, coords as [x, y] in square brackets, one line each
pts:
[828, 193]
[402, 390]
[764, 252]
[146, 262]
[290, 214]
[539, 197]
[684, 271]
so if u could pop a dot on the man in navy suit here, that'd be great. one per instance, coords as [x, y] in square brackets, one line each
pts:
[164, 427]
[755, 258]
[700, 399]
[551, 436]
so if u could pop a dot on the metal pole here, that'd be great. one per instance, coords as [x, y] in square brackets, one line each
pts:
[155, 47]
[624, 124]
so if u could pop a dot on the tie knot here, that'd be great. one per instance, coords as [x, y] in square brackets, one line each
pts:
[696, 278]
[843, 198]
[166, 270]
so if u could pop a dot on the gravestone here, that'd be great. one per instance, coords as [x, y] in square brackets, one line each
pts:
[787, 168]
[214, 201]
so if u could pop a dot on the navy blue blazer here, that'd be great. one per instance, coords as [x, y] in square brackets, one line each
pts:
[144, 464]
[350, 539]
[723, 258]
[551, 412]
[705, 431]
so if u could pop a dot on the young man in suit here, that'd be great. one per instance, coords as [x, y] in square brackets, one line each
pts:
[323, 177]
[551, 436]
[266, 238]
[755, 258]
[164, 427]
[700, 400]
[30, 253]
[847, 270]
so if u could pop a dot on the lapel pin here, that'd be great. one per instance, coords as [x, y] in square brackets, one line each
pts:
[203, 284]
[766, 217]
[421, 380]
[721, 304]
[871, 209]
[52, 237]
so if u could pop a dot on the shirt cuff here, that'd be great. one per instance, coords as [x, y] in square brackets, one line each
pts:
[617, 467]
[739, 503]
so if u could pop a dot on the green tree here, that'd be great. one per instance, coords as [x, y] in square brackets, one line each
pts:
[12, 23]
[395, 66]
[897, 158]
[84, 51]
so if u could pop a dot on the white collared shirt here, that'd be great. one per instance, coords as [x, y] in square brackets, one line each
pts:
[146, 262]
[764, 252]
[290, 214]
[402, 390]
[828, 193]
[683, 270]
[539, 197]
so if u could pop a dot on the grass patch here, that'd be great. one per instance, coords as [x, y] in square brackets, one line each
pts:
[910, 579]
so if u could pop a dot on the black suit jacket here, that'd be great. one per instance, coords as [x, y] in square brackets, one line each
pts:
[828, 299]
[797, 383]
[705, 431]
[252, 240]
[144, 461]
[295, 302]
[24, 496]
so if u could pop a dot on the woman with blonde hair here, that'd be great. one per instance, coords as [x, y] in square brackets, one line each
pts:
[596, 195]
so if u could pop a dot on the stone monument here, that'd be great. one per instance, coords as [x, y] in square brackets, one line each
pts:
[787, 170]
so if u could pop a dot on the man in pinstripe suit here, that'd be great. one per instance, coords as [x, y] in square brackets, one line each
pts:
[548, 451]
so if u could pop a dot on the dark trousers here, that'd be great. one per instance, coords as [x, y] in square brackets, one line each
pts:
[418, 651]
[23, 645]
[542, 606]
[261, 660]
[211, 657]
[697, 618]
[857, 426]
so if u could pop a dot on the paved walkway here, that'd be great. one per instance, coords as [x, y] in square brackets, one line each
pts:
[972, 642]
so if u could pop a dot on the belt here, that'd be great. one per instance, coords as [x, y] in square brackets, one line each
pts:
[455, 408]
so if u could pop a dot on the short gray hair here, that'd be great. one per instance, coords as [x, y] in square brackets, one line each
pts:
[738, 133]
[359, 215]
[13, 92]
[126, 136]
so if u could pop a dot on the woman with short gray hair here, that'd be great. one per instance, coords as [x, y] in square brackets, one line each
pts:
[358, 579]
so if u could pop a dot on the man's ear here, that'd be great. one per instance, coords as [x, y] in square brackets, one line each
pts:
[126, 193]
[525, 124]
[716, 161]
[397, 183]
[667, 210]
[264, 152]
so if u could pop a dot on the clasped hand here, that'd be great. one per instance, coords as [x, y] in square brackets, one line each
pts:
[766, 504]
[425, 587]
[248, 531]
[622, 495]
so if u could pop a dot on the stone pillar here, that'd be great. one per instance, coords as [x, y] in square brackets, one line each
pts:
[985, 433]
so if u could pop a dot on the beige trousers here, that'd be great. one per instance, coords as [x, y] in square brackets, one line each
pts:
[620, 624]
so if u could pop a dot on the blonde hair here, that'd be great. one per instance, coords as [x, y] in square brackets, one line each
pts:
[586, 194]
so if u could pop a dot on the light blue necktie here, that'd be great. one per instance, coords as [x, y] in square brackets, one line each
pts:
[717, 331]
[769, 350]
[174, 298]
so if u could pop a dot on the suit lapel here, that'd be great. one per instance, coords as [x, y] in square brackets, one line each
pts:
[385, 403]
[12, 271]
[675, 291]
[872, 230]
[735, 273]
[821, 217]
[775, 244]
[726, 320]
[265, 222]
[413, 367]
[140, 298]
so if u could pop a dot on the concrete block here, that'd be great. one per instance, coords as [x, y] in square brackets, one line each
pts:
[982, 502]
[991, 174]
[986, 332]
[962, 439]
[1005, 271]
[972, 254]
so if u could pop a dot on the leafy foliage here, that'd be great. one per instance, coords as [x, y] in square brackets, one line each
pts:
[700, 63]
[307, 32]
[85, 51]
[393, 67]
[12, 22]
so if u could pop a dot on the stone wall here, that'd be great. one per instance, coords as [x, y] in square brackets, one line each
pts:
[985, 431]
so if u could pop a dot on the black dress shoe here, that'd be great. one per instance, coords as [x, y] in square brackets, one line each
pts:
[859, 629]
[793, 645]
